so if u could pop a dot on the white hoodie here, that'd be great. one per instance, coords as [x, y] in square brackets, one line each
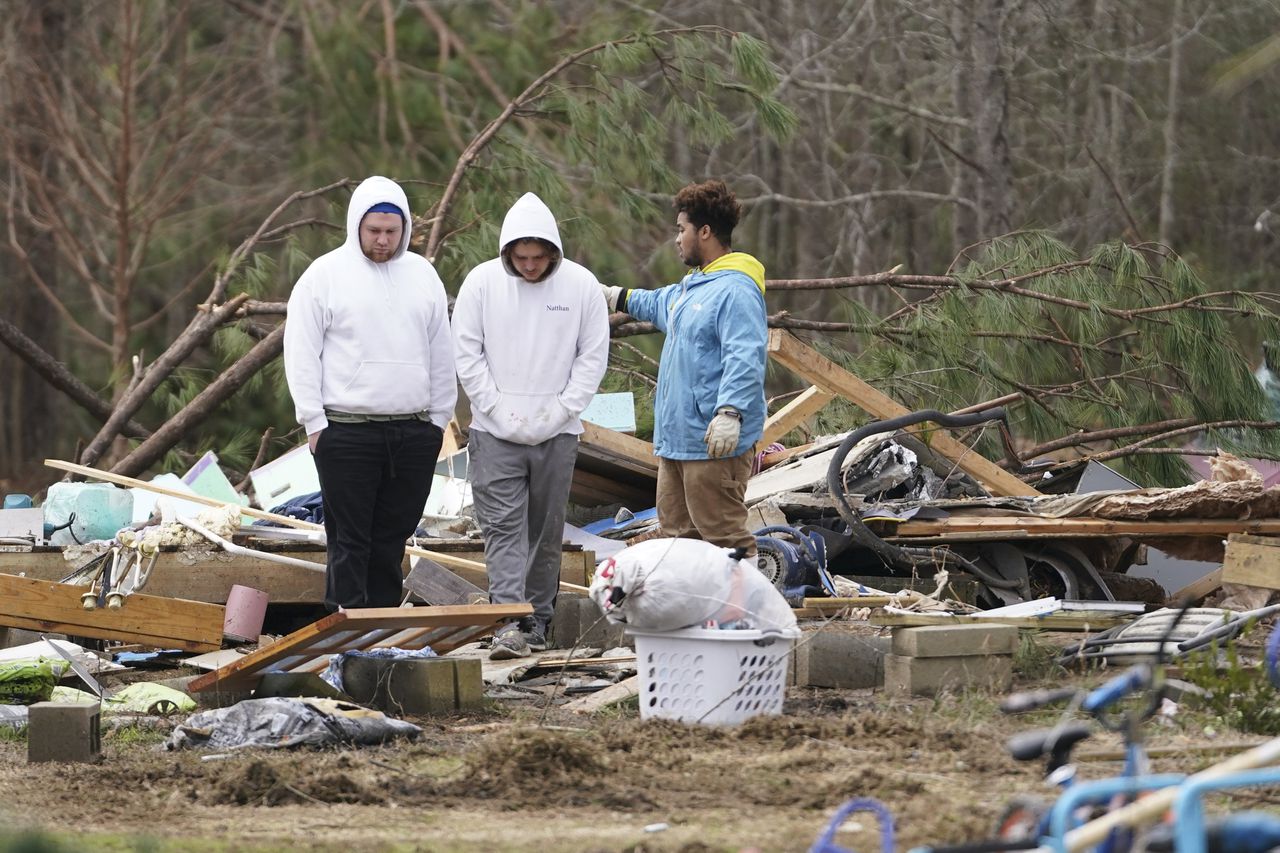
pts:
[530, 355]
[369, 338]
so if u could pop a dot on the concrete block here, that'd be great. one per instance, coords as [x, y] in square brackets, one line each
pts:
[468, 684]
[906, 676]
[296, 684]
[64, 732]
[399, 687]
[951, 641]
[12, 637]
[830, 658]
[578, 622]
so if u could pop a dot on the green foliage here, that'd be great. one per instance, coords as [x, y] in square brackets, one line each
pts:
[1118, 338]
[1034, 660]
[1239, 695]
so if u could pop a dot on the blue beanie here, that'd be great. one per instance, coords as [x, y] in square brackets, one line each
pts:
[386, 207]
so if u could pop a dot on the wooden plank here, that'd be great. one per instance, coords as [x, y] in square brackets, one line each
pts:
[435, 584]
[594, 489]
[1070, 621]
[453, 440]
[794, 413]
[807, 363]
[611, 695]
[637, 451]
[450, 560]
[358, 629]
[961, 528]
[1198, 589]
[1252, 561]
[39, 605]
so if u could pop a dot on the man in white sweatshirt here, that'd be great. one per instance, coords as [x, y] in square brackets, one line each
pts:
[369, 361]
[531, 341]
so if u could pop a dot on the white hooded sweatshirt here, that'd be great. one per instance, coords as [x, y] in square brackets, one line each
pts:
[530, 355]
[369, 338]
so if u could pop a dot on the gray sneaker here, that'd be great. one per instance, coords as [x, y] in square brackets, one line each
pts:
[535, 634]
[509, 643]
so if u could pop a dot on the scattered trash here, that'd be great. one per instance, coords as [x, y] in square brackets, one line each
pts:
[284, 723]
[25, 682]
[332, 674]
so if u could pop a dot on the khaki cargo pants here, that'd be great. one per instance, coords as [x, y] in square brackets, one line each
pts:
[703, 499]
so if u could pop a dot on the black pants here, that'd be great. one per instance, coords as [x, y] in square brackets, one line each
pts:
[375, 477]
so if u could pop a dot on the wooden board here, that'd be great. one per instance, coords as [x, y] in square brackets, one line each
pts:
[978, 528]
[1198, 589]
[308, 648]
[631, 452]
[807, 363]
[1048, 622]
[208, 576]
[161, 623]
[610, 695]
[794, 413]
[436, 585]
[1252, 561]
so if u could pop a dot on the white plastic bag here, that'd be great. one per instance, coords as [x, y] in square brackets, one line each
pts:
[668, 584]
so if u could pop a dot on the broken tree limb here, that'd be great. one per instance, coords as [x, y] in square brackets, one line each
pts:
[56, 374]
[807, 363]
[131, 483]
[196, 335]
[215, 394]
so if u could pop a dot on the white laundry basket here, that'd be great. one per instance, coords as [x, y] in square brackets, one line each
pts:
[714, 677]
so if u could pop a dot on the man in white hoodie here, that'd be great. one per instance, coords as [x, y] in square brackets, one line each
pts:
[369, 361]
[531, 340]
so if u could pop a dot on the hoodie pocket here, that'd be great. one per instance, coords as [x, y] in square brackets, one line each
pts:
[528, 418]
[386, 388]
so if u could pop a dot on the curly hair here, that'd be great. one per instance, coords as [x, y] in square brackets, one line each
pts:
[711, 203]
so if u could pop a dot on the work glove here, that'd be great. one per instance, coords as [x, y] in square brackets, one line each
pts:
[612, 293]
[722, 433]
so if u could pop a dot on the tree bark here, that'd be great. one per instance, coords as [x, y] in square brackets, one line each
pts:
[995, 181]
[1167, 173]
[197, 333]
[218, 392]
[56, 374]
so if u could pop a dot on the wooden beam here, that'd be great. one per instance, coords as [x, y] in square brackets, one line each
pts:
[794, 413]
[1252, 561]
[162, 623]
[1072, 621]
[468, 568]
[1198, 589]
[453, 440]
[807, 363]
[634, 450]
[601, 699]
[976, 529]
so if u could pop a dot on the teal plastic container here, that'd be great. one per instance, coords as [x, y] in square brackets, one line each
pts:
[100, 511]
[17, 501]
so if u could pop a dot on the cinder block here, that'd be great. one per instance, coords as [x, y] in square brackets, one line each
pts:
[952, 641]
[906, 676]
[398, 687]
[578, 622]
[64, 732]
[468, 684]
[296, 684]
[829, 658]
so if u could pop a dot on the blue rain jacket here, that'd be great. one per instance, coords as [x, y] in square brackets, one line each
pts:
[714, 355]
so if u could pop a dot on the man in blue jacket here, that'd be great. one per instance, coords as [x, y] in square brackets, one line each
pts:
[709, 411]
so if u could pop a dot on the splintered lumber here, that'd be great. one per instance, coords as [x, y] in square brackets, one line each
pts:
[1252, 561]
[1069, 621]
[793, 414]
[629, 452]
[149, 620]
[611, 695]
[308, 648]
[971, 528]
[807, 363]
[475, 568]
[1198, 589]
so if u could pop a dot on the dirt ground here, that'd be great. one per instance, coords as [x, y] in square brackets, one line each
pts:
[524, 777]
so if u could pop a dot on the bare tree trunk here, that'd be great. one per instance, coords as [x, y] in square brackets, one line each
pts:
[1165, 232]
[964, 179]
[215, 394]
[995, 182]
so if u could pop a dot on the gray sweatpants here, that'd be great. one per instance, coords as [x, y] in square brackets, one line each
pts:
[520, 494]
